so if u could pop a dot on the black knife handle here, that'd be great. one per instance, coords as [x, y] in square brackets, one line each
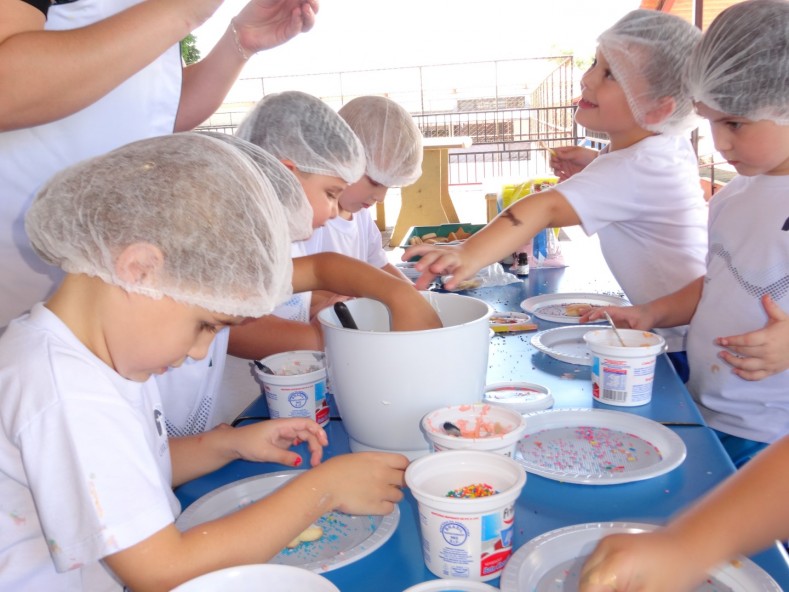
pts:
[342, 312]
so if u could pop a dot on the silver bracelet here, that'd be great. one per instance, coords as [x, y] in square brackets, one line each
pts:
[242, 52]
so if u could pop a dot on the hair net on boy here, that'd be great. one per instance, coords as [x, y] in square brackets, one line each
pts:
[215, 218]
[301, 128]
[741, 66]
[286, 185]
[392, 141]
[647, 51]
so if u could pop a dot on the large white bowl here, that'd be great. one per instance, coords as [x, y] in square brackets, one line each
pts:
[385, 381]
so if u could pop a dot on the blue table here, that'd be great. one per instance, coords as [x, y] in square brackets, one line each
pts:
[544, 504]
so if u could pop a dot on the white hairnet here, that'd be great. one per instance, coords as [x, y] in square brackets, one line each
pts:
[286, 185]
[392, 142]
[207, 208]
[647, 51]
[301, 128]
[741, 66]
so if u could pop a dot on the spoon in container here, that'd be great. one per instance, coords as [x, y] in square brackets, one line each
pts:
[451, 429]
[265, 369]
[344, 315]
[611, 322]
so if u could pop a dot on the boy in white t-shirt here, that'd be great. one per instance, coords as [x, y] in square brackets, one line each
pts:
[739, 330]
[642, 197]
[149, 237]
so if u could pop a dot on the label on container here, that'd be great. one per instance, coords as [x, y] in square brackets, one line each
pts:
[624, 381]
[298, 401]
[471, 546]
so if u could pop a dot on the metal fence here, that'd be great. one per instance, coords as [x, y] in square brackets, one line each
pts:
[512, 109]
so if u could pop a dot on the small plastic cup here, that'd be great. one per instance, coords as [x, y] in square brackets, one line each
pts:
[482, 427]
[297, 387]
[466, 538]
[623, 375]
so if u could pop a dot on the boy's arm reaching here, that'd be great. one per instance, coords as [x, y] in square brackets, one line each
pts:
[257, 532]
[351, 277]
[740, 517]
[510, 230]
[673, 310]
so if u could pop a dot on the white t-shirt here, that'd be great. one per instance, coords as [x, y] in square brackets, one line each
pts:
[748, 257]
[191, 393]
[358, 237]
[84, 460]
[143, 106]
[646, 205]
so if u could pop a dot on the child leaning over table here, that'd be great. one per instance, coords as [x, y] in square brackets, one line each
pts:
[317, 146]
[393, 150]
[149, 236]
[739, 75]
[643, 197]
[196, 395]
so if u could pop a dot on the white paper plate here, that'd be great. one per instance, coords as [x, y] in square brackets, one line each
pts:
[597, 447]
[565, 344]
[553, 561]
[248, 578]
[509, 321]
[551, 307]
[345, 538]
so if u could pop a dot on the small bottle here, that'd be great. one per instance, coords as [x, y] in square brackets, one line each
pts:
[520, 264]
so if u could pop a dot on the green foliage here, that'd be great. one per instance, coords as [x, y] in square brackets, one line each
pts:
[189, 51]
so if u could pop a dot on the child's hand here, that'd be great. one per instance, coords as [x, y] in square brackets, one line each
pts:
[363, 482]
[627, 317]
[269, 441]
[438, 261]
[568, 160]
[761, 353]
[650, 562]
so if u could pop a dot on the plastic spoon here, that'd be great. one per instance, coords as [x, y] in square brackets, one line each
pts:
[611, 322]
[346, 319]
[451, 429]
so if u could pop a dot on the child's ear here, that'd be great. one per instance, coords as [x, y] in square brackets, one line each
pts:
[139, 264]
[662, 111]
[289, 164]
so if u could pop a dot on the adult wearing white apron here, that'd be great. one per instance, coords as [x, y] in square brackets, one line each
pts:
[153, 96]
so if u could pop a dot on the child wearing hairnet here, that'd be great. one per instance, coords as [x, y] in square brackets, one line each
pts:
[393, 150]
[201, 394]
[149, 236]
[642, 197]
[739, 330]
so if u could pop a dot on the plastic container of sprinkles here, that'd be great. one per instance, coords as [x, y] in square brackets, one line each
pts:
[523, 397]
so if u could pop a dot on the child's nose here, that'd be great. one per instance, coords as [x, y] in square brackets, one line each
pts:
[200, 348]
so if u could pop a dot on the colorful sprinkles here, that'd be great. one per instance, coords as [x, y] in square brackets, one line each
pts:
[473, 491]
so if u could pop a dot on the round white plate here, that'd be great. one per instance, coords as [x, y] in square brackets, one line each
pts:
[597, 446]
[565, 344]
[248, 578]
[551, 307]
[345, 538]
[553, 561]
[509, 321]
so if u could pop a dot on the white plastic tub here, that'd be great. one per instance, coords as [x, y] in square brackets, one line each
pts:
[384, 381]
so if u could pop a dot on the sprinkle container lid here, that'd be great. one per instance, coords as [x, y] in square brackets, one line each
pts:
[523, 397]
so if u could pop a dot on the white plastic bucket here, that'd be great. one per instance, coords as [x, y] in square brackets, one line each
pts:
[482, 426]
[298, 386]
[623, 375]
[385, 381]
[466, 538]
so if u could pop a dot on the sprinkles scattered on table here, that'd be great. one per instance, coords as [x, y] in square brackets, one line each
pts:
[473, 491]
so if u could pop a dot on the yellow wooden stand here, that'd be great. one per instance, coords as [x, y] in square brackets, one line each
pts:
[427, 202]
